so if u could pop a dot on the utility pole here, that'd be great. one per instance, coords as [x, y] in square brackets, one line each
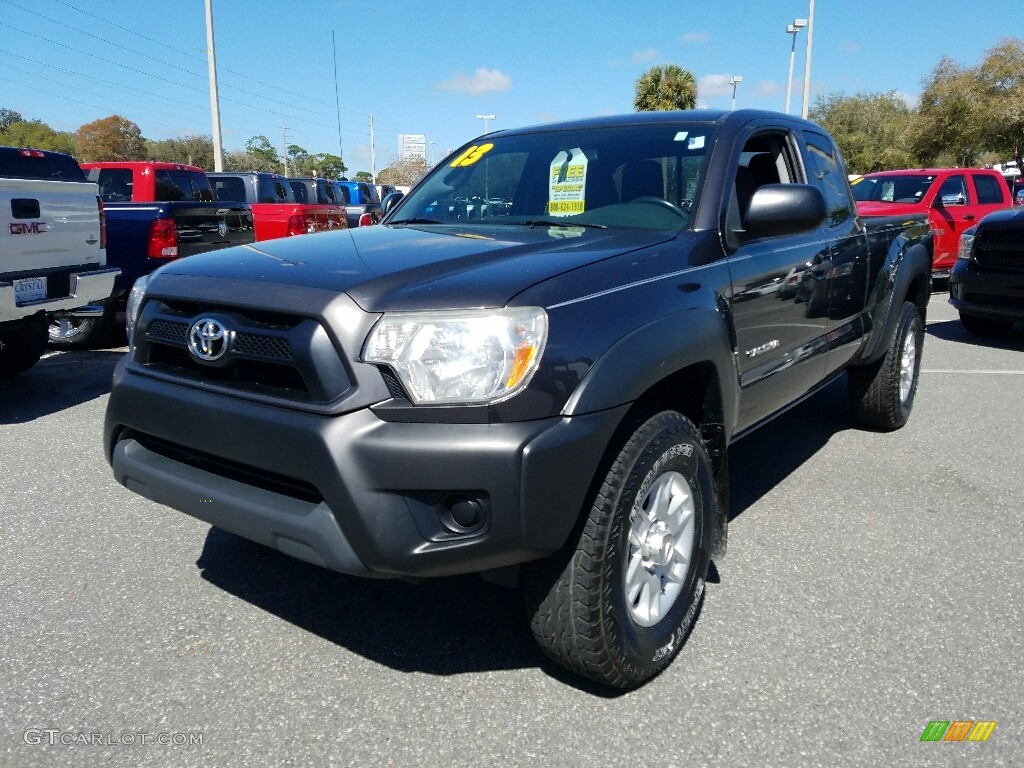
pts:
[807, 64]
[373, 154]
[211, 60]
[284, 148]
[337, 98]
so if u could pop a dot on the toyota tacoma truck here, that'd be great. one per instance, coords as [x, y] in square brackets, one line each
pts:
[547, 396]
[155, 212]
[52, 255]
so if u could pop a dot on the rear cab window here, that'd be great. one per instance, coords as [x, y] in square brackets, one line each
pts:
[988, 190]
[39, 165]
[273, 189]
[180, 184]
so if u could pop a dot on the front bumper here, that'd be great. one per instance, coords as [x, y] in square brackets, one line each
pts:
[986, 292]
[351, 492]
[83, 288]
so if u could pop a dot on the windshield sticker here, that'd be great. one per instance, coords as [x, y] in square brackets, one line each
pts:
[470, 156]
[567, 183]
[562, 233]
[695, 142]
[681, 136]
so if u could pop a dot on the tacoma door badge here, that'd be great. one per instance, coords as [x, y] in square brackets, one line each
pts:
[773, 344]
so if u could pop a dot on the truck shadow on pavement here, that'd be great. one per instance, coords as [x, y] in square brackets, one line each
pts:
[455, 625]
[788, 442]
[443, 626]
[953, 330]
[59, 381]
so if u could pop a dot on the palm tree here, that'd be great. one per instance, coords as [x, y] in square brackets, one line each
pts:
[665, 88]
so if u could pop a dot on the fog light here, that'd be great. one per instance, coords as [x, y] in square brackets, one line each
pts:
[465, 514]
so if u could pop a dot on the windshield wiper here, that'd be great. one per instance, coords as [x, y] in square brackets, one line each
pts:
[416, 221]
[547, 223]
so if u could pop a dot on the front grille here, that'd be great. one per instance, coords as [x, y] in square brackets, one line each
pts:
[215, 465]
[267, 354]
[1000, 249]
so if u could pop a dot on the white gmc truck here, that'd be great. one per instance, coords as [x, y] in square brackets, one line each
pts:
[52, 254]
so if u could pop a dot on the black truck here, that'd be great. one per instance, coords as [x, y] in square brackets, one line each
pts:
[986, 284]
[546, 396]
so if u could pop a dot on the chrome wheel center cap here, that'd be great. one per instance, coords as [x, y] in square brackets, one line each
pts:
[658, 546]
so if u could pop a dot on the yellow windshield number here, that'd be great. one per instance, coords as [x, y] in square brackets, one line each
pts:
[470, 156]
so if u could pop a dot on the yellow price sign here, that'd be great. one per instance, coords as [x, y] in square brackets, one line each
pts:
[470, 156]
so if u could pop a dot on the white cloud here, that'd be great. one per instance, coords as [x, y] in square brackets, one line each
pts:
[714, 85]
[696, 38]
[482, 81]
[646, 55]
[767, 88]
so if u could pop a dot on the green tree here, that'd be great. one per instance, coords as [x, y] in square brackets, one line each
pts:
[328, 166]
[949, 117]
[189, 150]
[873, 130]
[665, 88]
[363, 176]
[8, 117]
[110, 138]
[1001, 86]
[38, 135]
[262, 156]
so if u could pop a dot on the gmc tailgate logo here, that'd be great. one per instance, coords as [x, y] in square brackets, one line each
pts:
[21, 228]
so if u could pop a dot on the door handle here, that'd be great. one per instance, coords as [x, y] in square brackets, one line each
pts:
[969, 217]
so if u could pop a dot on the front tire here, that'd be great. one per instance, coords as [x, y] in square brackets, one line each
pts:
[617, 605]
[882, 394]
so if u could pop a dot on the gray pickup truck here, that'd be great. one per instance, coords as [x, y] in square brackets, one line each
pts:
[546, 396]
[52, 253]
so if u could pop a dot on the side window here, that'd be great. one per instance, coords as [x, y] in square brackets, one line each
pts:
[229, 189]
[115, 184]
[953, 191]
[988, 190]
[826, 167]
[166, 190]
[299, 191]
[767, 158]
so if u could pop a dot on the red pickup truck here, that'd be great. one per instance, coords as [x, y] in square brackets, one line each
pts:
[275, 211]
[953, 198]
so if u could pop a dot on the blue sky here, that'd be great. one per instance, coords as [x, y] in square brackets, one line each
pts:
[431, 67]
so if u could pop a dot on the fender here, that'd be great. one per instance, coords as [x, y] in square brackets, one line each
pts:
[907, 265]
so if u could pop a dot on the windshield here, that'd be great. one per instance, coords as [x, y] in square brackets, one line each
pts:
[892, 189]
[640, 176]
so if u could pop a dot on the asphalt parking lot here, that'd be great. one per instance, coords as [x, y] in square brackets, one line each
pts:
[872, 585]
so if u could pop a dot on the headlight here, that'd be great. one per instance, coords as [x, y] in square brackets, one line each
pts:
[469, 356]
[966, 245]
[135, 297]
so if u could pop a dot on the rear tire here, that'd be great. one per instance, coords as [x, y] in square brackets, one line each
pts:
[619, 601]
[882, 394]
[22, 347]
[984, 326]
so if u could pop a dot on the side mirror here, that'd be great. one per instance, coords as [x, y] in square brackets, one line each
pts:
[390, 201]
[784, 209]
[954, 199]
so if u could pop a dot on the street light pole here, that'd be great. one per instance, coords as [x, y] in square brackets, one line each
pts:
[485, 118]
[734, 81]
[792, 29]
[807, 64]
[211, 60]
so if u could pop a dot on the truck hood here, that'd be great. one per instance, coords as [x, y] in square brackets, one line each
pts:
[870, 208]
[409, 267]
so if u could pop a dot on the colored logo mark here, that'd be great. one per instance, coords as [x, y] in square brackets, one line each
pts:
[958, 730]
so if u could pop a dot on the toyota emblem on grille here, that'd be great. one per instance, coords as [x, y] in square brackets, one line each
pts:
[207, 340]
